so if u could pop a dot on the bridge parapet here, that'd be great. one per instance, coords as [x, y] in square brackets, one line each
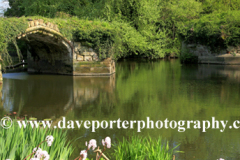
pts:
[40, 22]
[48, 28]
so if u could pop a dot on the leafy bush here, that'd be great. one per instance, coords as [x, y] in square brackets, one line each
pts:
[9, 29]
[143, 148]
[216, 29]
[188, 58]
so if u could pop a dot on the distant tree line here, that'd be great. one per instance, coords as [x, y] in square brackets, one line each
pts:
[162, 24]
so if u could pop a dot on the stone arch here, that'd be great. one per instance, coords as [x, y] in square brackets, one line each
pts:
[48, 50]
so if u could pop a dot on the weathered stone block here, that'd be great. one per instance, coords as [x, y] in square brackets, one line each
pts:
[40, 21]
[87, 58]
[48, 24]
[75, 49]
[75, 56]
[79, 58]
[107, 62]
[86, 53]
[93, 53]
[95, 58]
[55, 27]
[36, 22]
[93, 68]
[83, 49]
[31, 24]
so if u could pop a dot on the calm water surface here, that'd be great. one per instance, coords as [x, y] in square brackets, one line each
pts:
[139, 89]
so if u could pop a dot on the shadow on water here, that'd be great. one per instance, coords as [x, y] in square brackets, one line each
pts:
[158, 90]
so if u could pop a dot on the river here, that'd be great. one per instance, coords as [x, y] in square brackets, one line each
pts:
[139, 89]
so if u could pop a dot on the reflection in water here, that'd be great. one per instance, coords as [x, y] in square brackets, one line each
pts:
[159, 90]
[203, 71]
[46, 96]
[38, 96]
[87, 89]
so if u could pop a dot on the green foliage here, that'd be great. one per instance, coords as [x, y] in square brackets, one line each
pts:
[143, 148]
[216, 29]
[150, 35]
[115, 39]
[188, 58]
[143, 27]
[210, 6]
[18, 143]
[16, 8]
[10, 28]
[47, 8]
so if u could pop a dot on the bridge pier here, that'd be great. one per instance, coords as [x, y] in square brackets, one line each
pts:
[86, 62]
[81, 61]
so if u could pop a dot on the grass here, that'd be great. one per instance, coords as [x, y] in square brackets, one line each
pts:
[143, 149]
[16, 143]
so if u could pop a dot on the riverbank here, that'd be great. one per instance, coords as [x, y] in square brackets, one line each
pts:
[225, 59]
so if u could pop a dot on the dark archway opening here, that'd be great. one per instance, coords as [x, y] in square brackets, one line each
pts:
[43, 52]
[48, 54]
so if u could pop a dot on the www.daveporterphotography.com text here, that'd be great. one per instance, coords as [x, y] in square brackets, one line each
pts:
[93, 125]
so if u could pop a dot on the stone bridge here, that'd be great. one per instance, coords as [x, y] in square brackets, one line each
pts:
[50, 52]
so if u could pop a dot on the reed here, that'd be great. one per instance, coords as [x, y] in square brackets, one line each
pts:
[16, 143]
[143, 148]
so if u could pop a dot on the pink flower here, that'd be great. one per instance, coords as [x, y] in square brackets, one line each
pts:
[42, 155]
[84, 154]
[45, 155]
[107, 142]
[37, 149]
[38, 152]
[92, 143]
[49, 140]
[103, 142]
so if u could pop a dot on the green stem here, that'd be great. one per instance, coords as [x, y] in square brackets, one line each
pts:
[34, 152]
